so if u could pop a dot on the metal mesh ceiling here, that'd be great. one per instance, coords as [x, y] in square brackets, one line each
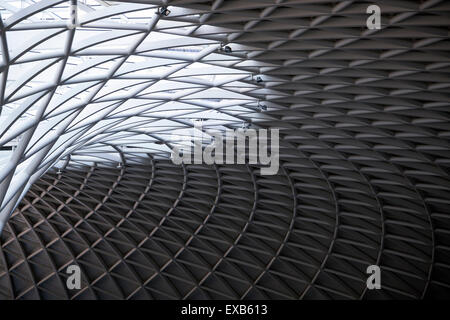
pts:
[125, 78]
[364, 178]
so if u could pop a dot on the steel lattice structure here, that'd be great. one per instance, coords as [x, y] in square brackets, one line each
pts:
[123, 79]
[90, 114]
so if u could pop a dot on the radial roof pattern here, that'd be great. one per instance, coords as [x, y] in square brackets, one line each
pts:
[364, 127]
[126, 78]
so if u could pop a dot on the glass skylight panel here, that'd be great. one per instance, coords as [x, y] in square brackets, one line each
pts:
[126, 74]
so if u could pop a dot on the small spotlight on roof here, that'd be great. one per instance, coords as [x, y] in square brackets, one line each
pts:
[226, 49]
[262, 107]
[245, 125]
[259, 80]
[119, 166]
[164, 11]
[199, 120]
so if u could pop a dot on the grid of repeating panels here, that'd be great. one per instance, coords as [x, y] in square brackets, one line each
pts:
[162, 231]
[363, 180]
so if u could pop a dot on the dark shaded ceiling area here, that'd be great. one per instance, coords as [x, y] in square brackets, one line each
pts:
[363, 180]
[163, 231]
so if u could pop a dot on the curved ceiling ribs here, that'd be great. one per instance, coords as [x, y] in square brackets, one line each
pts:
[364, 171]
[127, 77]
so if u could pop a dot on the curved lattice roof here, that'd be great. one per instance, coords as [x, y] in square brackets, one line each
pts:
[90, 114]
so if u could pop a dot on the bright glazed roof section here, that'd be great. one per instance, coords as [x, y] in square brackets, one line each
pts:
[126, 77]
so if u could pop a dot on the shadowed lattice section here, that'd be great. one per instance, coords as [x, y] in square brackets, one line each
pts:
[162, 231]
[364, 178]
